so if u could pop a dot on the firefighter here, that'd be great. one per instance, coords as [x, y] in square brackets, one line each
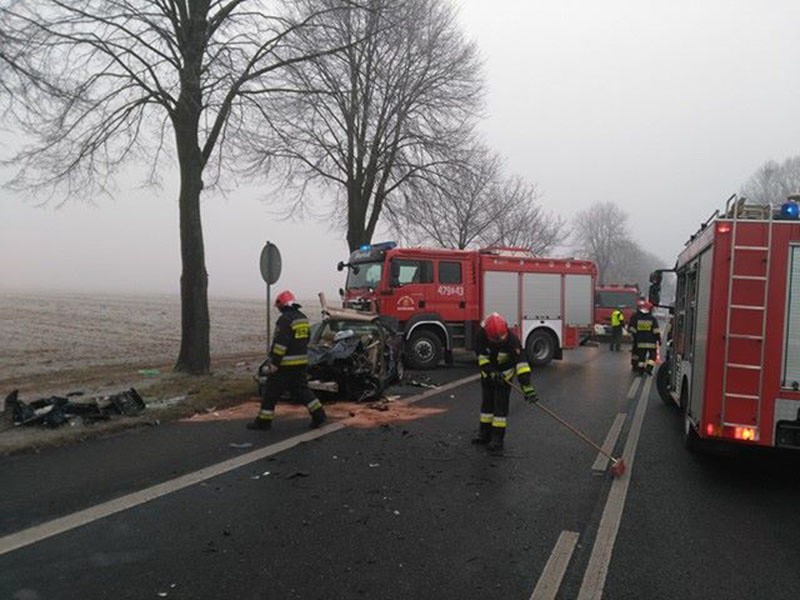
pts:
[500, 356]
[617, 323]
[286, 366]
[646, 338]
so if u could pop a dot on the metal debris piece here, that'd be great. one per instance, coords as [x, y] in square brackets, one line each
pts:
[241, 446]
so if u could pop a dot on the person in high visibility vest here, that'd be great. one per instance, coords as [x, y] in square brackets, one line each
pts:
[500, 357]
[617, 323]
[646, 338]
[285, 369]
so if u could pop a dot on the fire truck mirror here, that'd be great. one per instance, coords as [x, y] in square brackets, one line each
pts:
[395, 273]
[654, 295]
[340, 266]
[655, 277]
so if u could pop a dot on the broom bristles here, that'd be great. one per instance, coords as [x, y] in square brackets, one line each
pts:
[618, 468]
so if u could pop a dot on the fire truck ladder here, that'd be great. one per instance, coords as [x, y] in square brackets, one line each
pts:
[738, 212]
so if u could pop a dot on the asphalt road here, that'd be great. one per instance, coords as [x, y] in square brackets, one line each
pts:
[409, 510]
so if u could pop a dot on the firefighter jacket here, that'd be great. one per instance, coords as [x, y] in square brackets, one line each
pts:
[505, 358]
[290, 344]
[645, 331]
[617, 318]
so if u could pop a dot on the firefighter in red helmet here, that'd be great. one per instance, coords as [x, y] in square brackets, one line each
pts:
[500, 357]
[646, 338]
[285, 368]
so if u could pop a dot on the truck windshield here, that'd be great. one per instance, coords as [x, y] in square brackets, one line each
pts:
[615, 299]
[368, 276]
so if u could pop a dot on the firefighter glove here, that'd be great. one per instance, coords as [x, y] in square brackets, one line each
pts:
[530, 393]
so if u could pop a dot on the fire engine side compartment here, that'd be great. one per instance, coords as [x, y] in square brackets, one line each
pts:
[726, 390]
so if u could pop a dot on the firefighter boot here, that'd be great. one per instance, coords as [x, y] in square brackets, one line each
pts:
[496, 443]
[260, 424]
[484, 433]
[318, 418]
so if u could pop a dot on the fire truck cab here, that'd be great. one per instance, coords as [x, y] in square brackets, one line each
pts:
[439, 296]
[612, 296]
[733, 357]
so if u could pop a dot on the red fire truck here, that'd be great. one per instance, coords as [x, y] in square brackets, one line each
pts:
[609, 297]
[733, 358]
[439, 296]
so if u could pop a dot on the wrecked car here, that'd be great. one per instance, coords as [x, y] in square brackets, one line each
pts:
[354, 355]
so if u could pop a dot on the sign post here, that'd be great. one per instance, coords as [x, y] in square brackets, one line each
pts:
[270, 265]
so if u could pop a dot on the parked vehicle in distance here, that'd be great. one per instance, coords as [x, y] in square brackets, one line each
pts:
[439, 296]
[611, 296]
[733, 352]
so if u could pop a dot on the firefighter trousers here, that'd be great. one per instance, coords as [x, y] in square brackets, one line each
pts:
[494, 403]
[616, 337]
[644, 359]
[293, 380]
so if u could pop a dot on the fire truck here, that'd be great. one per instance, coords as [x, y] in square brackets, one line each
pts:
[611, 296]
[733, 357]
[439, 296]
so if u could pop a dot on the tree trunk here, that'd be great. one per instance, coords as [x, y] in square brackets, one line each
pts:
[195, 356]
[357, 235]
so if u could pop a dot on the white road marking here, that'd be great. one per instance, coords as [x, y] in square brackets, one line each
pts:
[23, 538]
[595, 577]
[550, 580]
[634, 388]
[601, 462]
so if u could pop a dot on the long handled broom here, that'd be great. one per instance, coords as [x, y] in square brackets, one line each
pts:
[617, 464]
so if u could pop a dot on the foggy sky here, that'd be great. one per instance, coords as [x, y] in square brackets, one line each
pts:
[665, 108]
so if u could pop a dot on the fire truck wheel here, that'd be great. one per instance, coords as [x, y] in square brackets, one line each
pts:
[423, 350]
[541, 347]
[662, 385]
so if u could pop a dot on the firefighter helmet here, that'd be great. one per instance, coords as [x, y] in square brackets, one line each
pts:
[495, 327]
[284, 299]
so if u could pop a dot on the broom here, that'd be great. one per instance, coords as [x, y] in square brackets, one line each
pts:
[617, 464]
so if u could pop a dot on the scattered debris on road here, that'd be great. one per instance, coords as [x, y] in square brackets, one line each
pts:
[55, 411]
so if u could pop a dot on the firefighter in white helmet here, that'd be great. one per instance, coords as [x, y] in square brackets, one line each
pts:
[285, 369]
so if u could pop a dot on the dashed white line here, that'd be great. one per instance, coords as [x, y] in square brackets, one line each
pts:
[601, 462]
[634, 388]
[550, 580]
[595, 577]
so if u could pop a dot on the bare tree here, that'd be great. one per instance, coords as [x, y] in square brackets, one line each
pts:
[452, 204]
[772, 182]
[377, 115]
[470, 202]
[599, 231]
[523, 223]
[631, 263]
[128, 72]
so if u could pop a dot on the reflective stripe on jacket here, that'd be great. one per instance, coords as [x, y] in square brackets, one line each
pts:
[290, 344]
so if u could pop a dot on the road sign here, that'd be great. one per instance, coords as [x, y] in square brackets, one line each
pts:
[270, 263]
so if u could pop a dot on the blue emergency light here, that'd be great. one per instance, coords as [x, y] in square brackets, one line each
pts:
[379, 246]
[790, 210]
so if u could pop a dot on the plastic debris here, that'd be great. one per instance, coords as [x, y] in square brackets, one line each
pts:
[149, 372]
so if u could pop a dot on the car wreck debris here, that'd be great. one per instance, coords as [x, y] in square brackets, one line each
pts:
[354, 356]
[55, 411]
